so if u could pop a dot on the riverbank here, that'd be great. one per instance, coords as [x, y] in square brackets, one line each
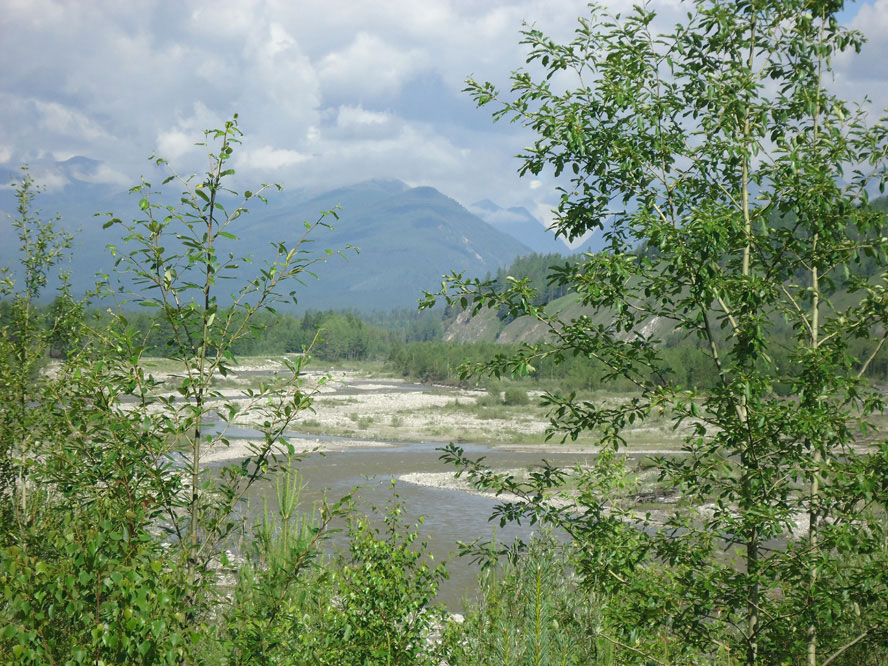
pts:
[449, 481]
[238, 449]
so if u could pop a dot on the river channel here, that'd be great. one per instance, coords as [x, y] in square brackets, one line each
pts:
[449, 516]
[370, 460]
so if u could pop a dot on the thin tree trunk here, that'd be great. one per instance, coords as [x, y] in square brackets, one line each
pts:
[814, 489]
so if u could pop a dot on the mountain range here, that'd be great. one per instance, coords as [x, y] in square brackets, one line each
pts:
[407, 237]
[519, 223]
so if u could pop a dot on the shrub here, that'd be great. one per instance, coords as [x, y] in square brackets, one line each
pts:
[515, 396]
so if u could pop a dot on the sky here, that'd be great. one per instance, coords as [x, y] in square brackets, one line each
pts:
[328, 92]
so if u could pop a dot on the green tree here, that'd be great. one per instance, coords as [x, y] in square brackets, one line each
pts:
[727, 156]
[175, 259]
[112, 556]
[26, 333]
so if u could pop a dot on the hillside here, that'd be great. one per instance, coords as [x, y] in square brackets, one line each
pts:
[486, 326]
[407, 237]
[490, 326]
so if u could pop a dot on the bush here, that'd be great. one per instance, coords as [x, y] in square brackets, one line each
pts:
[374, 606]
[531, 611]
[515, 396]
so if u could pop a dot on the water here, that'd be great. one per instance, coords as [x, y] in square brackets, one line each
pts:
[449, 516]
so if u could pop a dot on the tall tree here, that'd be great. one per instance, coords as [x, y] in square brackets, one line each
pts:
[100, 461]
[746, 179]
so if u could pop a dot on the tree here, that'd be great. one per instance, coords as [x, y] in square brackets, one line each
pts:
[26, 332]
[110, 557]
[741, 184]
[175, 258]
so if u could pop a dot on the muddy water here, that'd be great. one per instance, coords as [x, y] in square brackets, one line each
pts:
[449, 516]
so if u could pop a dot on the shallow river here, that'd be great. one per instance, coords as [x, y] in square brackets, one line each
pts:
[449, 515]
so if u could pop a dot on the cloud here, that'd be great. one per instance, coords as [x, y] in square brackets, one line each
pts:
[327, 93]
[178, 144]
[268, 158]
[173, 144]
[350, 116]
[544, 213]
[872, 21]
[368, 67]
[502, 216]
[62, 120]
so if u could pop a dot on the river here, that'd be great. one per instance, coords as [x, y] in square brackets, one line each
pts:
[449, 516]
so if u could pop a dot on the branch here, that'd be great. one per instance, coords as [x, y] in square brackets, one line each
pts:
[850, 644]
[797, 307]
[864, 367]
[634, 649]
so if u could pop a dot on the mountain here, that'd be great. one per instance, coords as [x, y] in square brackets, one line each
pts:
[521, 225]
[407, 237]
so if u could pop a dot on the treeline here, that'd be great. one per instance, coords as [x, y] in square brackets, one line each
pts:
[442, 362]
[537, 270]
[329, 334]
[410, 344]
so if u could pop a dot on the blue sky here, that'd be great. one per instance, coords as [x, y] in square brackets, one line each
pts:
[328, 92]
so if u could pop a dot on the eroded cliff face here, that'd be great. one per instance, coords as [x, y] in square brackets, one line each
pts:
[487, 327]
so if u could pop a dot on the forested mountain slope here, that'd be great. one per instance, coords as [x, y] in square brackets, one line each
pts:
[407, 237]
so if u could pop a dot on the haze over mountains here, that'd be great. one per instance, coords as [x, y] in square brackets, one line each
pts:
[407, 236]
[519, 223]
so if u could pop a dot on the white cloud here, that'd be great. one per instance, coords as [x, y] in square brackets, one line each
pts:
[49, 178]
[502, 217]
[369, 66]
[356, 115]
[355, 123]
[544, 213]
[60, 119]
[173, 144]
[268, 158]
[326, 92]
[179, 141]
[104, 174]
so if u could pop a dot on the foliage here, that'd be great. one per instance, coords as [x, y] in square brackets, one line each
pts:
[26, 332]
[535, 269]
[530, 611]
[515, 396]
[117, 530]
[82, 576]
[175, 257]
[265, 621]
[373, 606]
[382, 612]
[741, 187]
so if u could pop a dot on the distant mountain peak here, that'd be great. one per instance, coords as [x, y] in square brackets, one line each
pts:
[391, 184]
[81, 162]
[426, 190]
[520, 224]
[521, 210]
[486, 204]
